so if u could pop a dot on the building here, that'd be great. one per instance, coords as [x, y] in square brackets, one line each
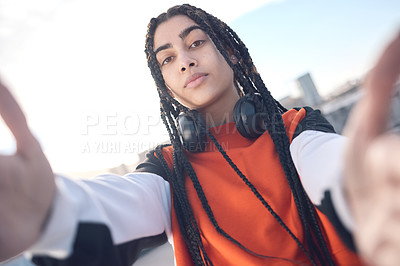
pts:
[310, 93]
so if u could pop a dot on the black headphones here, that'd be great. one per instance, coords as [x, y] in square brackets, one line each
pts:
[193, 135]
[248, 115]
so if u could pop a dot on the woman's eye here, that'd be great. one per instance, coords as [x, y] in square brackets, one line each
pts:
[196, 44]
[166, 60]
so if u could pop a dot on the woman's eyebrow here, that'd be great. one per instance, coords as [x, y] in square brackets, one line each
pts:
[162, 47]
[182, 35]
[186, 31]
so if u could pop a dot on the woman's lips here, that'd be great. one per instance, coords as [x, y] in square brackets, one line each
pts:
[195, 80]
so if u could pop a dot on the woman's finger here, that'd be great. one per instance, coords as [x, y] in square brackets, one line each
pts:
[369, 117]
[379, 89]
[14, 118]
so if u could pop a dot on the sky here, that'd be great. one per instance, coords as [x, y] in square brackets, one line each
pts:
[79, 71]
[335, 41]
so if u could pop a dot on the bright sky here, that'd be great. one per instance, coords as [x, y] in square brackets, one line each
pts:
[79, 70]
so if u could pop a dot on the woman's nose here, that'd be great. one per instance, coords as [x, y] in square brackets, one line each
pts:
[187, 62]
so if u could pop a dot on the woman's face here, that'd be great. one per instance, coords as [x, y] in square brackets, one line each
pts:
[193, 69]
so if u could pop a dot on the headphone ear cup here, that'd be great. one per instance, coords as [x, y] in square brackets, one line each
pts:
[248, 117]
[194, 136]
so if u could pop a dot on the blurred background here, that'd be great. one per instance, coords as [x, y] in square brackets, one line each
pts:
[79, 71]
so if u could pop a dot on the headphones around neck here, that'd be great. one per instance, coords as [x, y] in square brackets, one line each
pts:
[248, 116]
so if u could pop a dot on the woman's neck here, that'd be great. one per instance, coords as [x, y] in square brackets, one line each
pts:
[220, 113]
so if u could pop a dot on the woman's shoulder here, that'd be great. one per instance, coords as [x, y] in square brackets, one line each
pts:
[298, 120]
[154, 159]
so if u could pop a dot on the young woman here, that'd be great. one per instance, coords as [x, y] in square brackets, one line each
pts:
[244, 181]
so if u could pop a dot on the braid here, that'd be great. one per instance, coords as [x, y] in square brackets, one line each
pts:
[250, 81]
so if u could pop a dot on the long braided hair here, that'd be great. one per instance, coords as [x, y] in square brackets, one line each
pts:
[249, 80]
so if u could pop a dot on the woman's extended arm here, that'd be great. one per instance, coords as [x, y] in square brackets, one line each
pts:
[26, 183]
[372, 168]
[360, 175]
[107, 219]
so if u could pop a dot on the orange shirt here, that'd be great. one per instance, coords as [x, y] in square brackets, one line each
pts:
[239, 212]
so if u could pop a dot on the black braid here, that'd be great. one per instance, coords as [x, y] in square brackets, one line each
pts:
[249, 81]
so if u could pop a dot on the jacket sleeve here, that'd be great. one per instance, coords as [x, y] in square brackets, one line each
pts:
[107, 220]
[318, 154]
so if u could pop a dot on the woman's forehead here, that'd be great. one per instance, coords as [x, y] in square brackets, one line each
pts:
[171, 28]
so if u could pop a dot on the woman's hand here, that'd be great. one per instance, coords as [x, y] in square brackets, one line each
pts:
[26, 183]
[372, 170]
